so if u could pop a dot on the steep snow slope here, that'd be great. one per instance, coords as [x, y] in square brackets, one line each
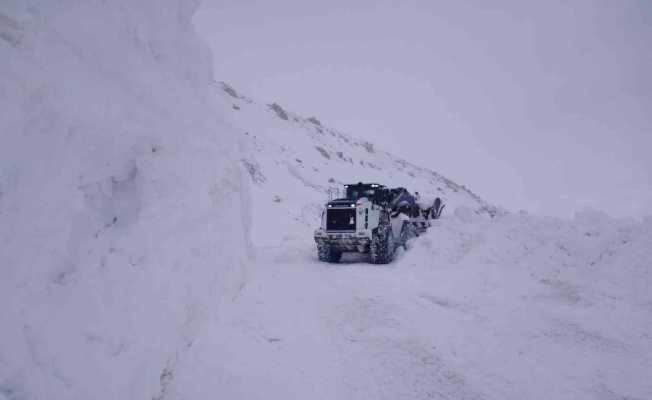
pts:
[511, 307]
[295, 162]
[121, 204]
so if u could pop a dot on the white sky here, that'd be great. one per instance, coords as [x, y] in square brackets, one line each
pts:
[544, 106]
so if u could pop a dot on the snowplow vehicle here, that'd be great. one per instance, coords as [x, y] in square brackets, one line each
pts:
[371, 219]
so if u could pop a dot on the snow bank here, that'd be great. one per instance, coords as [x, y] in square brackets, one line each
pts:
[563, 305]
[121, 202]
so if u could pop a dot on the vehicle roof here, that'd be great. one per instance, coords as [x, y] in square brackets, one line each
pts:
[364, 184]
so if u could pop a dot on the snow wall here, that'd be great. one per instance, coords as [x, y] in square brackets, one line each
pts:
[122, 212]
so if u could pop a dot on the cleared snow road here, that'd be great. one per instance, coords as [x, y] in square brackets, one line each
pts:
[481, 310]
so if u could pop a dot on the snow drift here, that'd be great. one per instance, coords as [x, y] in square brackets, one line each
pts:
[122, 212]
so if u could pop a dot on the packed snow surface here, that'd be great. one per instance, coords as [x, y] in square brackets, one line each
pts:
[514, 307]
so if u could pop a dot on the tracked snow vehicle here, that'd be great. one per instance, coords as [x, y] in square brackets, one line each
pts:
[370, 219]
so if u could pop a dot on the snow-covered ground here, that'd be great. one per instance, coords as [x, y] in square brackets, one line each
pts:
[156, 243]
[515, 307]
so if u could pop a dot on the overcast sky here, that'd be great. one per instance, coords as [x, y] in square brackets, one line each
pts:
[543, 106]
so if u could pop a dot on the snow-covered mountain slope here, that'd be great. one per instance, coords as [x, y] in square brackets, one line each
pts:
[122, 214]
[295, 162]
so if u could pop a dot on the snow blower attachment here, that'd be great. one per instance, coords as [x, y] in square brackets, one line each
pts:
[372, 219]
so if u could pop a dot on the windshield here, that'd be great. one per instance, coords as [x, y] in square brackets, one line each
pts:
[356, 192]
